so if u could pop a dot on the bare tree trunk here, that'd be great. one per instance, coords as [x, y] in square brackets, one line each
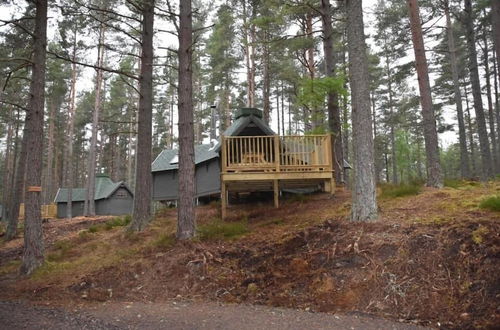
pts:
[248, 57]
[278, 109]
[33, 236]
[89, 208]
[18, 184]
[334, 123]
[471, 131]
[8, 164]
[487, 171]
[252, 61]
[70, 135]
[186, 223]
[282, 109]
[47, 191]
[495, 19]
[266, 81]
[491, 111]
[144, 179]
[464, 156]
[497, 106]
[434, 175]
[364, 202]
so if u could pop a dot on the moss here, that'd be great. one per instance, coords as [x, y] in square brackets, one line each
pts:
[491, 203]
[164, 241]
[394, 191]
[62, 249]
[454, 183]
[218, 229]
[478, 234]
[10, 267]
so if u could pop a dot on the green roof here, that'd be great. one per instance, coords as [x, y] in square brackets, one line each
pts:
[104, 188]
[245, 118]
[167, 160]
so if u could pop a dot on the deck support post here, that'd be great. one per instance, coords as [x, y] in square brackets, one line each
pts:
[276, 189]
[223, 199]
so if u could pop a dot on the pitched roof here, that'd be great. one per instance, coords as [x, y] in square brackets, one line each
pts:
[104, 188]
[166, 159]
[243, 121]
[245, 118]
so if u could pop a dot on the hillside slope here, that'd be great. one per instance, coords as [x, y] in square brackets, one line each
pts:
[431, 258]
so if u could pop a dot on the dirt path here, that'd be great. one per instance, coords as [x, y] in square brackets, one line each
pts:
[14, 315]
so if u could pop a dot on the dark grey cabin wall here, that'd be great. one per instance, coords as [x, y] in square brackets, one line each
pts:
[120, 203]
[165, 183]
[208, 178]
[77, 209]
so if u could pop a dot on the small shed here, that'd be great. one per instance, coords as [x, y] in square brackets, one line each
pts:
[248, 122]
[111, 198]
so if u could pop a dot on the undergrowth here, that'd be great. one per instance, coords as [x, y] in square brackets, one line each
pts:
[218, 229]
[491, 203]
[394, 191]
[110, 224]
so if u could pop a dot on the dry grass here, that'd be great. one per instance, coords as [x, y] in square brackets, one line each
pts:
[297, 253]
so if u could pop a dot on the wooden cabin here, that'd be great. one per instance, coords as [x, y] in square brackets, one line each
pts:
[250, 157]
[111, 198]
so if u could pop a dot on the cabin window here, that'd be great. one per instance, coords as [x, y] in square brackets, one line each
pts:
[121, 193]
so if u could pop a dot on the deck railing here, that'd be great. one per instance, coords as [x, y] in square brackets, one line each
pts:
[276, 153]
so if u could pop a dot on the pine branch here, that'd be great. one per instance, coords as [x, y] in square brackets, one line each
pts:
[96, 67]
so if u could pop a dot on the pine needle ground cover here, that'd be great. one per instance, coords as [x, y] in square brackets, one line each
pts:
[431, 257]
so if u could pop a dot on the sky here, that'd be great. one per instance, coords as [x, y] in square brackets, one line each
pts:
[85, 83]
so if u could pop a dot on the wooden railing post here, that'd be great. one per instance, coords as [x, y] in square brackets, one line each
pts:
[277, 152]
[224, 154]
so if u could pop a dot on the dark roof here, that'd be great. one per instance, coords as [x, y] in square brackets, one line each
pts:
[243, 121]
[104, 188]
[245, 118]
[163, 162]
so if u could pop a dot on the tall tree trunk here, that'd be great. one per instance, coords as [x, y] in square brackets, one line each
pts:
[434, 175]
[334, 123]
[487, 171]
[186, 223]
[47, 191]
[278, 108]
[8, 164]
[392, 135]
[248, 43]
[70, 135]
[464, 156]
[491, 111]
[266, 81]
[89, 208]
[471, 131]
[364, 202]
[495, 19]
[282, 109]
[497, 106]
[33, 236]
[143, 177]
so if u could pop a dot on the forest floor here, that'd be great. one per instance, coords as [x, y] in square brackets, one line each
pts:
[431, 259]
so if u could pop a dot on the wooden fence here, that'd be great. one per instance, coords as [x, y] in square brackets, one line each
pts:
[49, 211]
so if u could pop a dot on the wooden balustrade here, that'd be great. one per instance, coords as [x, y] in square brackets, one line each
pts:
[276, 153]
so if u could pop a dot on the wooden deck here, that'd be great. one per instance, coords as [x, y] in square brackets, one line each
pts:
[272, 163]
